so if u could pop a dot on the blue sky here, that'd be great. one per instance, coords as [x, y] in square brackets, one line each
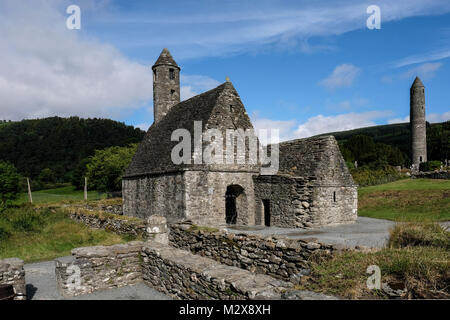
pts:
[304, 67]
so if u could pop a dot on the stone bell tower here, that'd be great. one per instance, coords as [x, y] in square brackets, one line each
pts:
[166, 85]
[418, 124]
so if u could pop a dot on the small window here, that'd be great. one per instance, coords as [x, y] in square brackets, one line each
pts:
[266, 205]
[172, 92]
[334, 196]
[420, 158]
[154, 75]
[171, 74]
[231, 108]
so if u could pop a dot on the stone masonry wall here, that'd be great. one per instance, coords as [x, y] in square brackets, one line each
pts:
[100, 267]
[154, 195]
[290, 200]
[12, 272]
[334, 205]
[282, 258]
[205, 197]
[184, 275]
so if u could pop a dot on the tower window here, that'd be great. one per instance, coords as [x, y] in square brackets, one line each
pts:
[171, 74]
[154, 75]
[334, 196]
[172, 92]
[231, 108]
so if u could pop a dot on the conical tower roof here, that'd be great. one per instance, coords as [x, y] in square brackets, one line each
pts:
[165, 58]
[417, 83]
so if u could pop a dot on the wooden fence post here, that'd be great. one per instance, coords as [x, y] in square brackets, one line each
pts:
[30, 198]
[85, 188]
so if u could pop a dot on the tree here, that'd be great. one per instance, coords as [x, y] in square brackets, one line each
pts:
[105, 169]
[9, 184]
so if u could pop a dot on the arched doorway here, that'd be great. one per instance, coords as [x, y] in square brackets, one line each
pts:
[234, 203]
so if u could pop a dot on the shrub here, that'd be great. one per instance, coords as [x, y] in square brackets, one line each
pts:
[430, 165]
[9, 184]
[4, 232]
[365, 176]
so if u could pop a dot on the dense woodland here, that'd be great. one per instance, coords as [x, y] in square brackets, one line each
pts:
[50, 149]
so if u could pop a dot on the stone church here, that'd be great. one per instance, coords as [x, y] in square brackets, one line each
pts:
[312, 187]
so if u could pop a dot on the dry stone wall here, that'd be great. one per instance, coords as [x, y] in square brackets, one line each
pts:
[13, 273]
[282, 258]
[184, 275]
[118, 224]
[101, 267]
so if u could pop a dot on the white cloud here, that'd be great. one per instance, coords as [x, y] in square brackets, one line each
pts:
[431, 56]
[207, 28]
[424, 71]
[322, 124]
[285, 128]
[46, 69]
[398, 120]
[342, 76]
[436, 117]
[290, 129]
[192, 85]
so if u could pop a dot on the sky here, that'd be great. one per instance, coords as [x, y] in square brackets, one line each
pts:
[303, 67]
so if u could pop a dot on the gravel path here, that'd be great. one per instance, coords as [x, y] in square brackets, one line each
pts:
[41, 285]
[367, 232]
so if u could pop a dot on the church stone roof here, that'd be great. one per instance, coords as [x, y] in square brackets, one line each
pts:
[417, 83]
[165, 58]
[219, 108]
[317, 160]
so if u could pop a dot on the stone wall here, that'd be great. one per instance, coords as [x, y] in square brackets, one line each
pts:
[334, 205]
[205, 197]
[183, 275]
[289, 199]
[295, 202]
[154, 195]
[100, 267]
[433, 175]
[282, 258]
[119, 224]
[12, 272]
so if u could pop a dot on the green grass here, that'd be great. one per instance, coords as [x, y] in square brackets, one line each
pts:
[59, 194]
[406, 200]
[45, 234]
[417, 258]
[424, 271]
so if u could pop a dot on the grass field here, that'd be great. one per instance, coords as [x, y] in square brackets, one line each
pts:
[59, 194]
[43, 234]
[406, 200]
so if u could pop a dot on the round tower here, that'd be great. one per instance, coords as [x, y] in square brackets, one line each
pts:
[418, 124]
[166, 85]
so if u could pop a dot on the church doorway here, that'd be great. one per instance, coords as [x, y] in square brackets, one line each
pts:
[234, 198]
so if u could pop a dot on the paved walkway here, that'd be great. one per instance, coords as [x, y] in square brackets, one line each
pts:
[41, 285]
[368, 232]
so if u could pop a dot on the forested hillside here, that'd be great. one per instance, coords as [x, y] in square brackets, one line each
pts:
[397, 135]
[59, 144]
